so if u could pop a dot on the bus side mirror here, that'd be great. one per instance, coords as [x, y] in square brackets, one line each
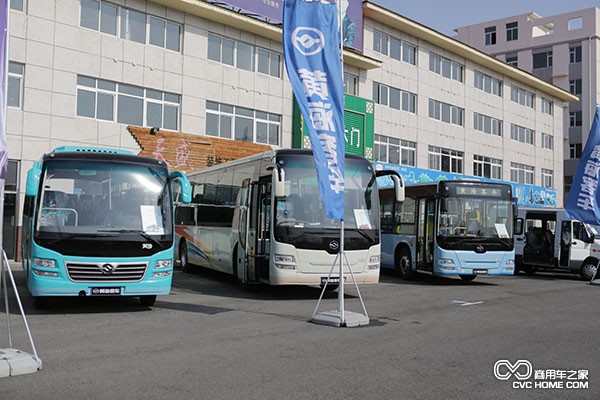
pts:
[33, 180]
[515, 210]
[398, 187]
[279, 183]
[444, 204]
[186, 187]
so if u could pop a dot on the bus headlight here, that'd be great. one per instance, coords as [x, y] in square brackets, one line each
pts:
[284, 261]
[510, 262]
[45, 273]
[374, 262]
[44, 263]
[446, 261]
[446, 264]
[164, 264]
[161, 274]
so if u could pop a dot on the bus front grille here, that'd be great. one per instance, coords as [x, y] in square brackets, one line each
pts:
[106, 272]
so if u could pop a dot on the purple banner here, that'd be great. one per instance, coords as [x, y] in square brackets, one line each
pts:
[3, 79]
[352, 16]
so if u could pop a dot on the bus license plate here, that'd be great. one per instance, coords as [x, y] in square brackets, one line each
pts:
[106, 291]
[332, 279]
[480, 272]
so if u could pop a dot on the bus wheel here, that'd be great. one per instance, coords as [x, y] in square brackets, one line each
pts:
[148, 301]
[184, 261]
[467, 277]
[404, 264]
[40, 302]
[589, 269]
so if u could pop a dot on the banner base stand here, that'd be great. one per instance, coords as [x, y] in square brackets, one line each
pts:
[15, 362]
[334, 318]
[595, 282]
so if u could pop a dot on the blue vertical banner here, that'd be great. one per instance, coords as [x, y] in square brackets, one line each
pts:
[3, 88]
[311, 47]
[584, 199]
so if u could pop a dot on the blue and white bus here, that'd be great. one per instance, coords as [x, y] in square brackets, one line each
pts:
[99, 222]
[462, 228]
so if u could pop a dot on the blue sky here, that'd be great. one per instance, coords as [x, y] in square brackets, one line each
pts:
[445, 15]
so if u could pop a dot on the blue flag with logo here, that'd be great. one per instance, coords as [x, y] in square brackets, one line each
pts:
[311, 46]
[584, 199]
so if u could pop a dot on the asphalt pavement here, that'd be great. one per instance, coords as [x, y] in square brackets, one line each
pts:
[433, 338]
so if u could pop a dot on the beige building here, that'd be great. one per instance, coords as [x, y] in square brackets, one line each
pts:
[81, 71]
[560, 49]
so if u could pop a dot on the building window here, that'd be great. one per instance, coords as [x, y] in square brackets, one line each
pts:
[487, 124]
[521, 134]
[542, 60]
[242, 55]
[15, 84]
[522, 96]
[490, 35]
[395, 151]
[394, 98]
[487, 167]
[575, 54]
[512, 60]
[547, 106]
[446, 160]
[512, 31]
[17, 5]
[575, 150]
[350, 84]
[132, 25]
[242, 124]
[547, 141]
[575, 86]
[446, 112]
[446, 67]
[522, 173]
[394, 48]
[575, 23]
[547, 178]
[575, 119]
[488, 84]
[134, 105]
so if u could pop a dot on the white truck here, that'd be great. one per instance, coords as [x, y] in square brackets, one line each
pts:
[547, 239]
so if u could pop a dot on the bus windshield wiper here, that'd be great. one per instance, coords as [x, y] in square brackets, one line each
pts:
[365, 235]
[139, 232]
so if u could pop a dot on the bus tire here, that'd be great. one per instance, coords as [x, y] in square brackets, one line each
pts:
[148, 301]
[588, 269]
[467, 278]
[184, 260]
[40, 302]
[403, 264]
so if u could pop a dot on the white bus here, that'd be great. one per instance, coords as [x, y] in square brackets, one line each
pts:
[261, 219]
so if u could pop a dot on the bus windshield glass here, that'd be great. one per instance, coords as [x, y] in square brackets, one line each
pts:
[478, 216]
[103, 198]
[301, 210]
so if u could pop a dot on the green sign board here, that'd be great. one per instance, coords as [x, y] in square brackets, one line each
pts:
[359, 121]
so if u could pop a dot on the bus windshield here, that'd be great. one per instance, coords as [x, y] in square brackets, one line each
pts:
[103, 198]
[476, 217]
[301, 210]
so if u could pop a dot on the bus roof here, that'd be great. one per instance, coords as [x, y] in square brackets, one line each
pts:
[97, 154]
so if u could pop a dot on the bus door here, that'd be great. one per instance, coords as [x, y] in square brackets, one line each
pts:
[255, 229]
[575, 244]
[426, 234]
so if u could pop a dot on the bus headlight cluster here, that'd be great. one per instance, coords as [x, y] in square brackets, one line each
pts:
[446, 264]
[164, 264]
[45, 273]
[374, 262]
[161, 274]
[44, 263]
[510, 262]
[284, 261]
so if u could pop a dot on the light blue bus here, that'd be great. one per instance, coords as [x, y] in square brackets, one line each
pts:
[449, 228]
[99, 222]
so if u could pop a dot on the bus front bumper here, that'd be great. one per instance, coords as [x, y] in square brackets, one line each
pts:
[49, 286]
